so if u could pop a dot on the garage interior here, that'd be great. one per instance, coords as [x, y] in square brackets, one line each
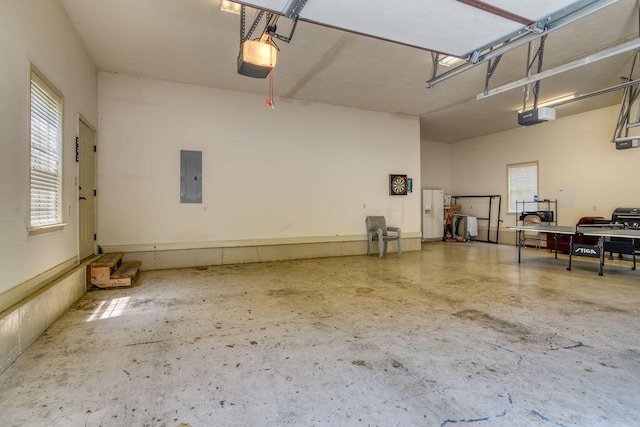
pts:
[257, 303]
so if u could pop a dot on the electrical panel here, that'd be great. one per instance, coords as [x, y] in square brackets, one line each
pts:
[190, 176]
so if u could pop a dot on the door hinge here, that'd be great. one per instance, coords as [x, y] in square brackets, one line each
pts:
[94, 149]
[77, 149]
[95, 193]
[95, 237]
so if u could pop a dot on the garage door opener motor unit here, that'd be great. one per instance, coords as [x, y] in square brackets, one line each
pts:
[535, 116]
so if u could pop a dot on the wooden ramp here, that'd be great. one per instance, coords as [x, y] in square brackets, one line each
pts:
[109, 271]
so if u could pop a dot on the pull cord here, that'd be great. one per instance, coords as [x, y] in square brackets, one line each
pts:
[270, 101]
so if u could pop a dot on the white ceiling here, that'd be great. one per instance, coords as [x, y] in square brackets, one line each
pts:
[192, 41]
[421, 23]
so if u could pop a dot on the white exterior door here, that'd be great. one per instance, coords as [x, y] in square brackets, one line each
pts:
[86, 187]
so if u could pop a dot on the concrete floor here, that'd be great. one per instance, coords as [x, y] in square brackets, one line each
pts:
[454, 334]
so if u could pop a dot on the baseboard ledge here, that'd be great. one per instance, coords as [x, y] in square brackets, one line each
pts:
[243, 243]
[23, 322]
[159, 258]
[25, 289]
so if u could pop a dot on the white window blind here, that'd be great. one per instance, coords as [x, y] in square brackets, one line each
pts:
[522, 183]
[46, 154]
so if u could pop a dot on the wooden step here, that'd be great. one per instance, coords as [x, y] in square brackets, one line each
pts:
[128, 269]
[108, 271]
[102, 268]
[108, 260]
[125, 275]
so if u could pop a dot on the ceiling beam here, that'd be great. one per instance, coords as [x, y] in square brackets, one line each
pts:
[594, 57]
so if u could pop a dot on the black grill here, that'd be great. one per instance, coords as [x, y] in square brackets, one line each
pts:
[628, 217]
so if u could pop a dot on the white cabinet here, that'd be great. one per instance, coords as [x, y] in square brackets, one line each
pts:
[432, 214]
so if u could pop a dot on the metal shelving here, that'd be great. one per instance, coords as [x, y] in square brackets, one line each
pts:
[548, 216]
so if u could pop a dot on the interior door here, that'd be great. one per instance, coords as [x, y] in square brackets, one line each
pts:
[86, 188]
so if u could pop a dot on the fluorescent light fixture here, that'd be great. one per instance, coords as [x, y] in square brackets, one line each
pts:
[553, 102]
[229, 6]
[557, 100]
[448, 61]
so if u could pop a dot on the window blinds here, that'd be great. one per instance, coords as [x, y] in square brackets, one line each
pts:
[46, 154]
[523, 183]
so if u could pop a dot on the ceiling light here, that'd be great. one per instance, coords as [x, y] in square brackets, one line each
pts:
[231, 7]
[448, 61]
[557, 100]
[552, 102]
[256, 59]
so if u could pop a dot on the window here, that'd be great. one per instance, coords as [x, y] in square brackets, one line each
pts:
[46, 154]
[522, 184]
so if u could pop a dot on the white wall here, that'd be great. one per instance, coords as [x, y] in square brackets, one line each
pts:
[301, 172]
[435, 163]
[38, 32]
[574, 155]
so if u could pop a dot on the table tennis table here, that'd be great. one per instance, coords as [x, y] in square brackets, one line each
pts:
[556, 230]
[632, 235]
[621, 233]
